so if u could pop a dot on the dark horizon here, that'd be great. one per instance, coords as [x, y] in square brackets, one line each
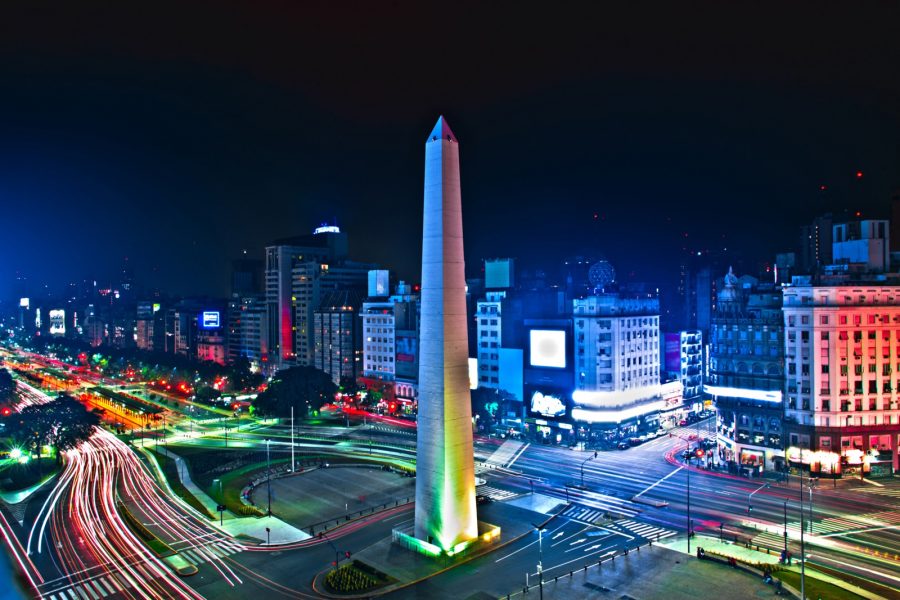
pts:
[578, 136]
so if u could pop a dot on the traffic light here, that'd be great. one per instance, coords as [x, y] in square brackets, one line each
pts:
[5, 411]
[347, 554]
[699, 452]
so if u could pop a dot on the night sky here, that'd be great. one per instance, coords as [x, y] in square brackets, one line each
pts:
[181, 136]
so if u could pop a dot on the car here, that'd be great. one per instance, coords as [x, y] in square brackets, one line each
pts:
[623, 445]
[482, 499]
[682, 422]
[635, 441]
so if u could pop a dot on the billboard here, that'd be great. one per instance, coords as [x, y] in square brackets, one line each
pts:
[406, 364]
[547, 348]
[673, 352]
[24, 302]
[547, 405]
[379, 283]
[210, 319]
[473, 373]
[57, 321]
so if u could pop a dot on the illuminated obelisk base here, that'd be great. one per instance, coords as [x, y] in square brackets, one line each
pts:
[487, 536]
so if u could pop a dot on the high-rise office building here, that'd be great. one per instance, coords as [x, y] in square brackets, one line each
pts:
[391, 346]
[248, 331]
[337, 336]
[298, 272]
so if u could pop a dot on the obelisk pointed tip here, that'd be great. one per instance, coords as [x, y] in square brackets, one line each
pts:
[442, 131]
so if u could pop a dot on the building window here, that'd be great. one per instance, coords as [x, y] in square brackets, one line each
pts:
[823, 320]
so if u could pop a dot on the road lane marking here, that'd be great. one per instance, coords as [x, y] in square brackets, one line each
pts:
[658, 482]
[516, 456]
[526, 546]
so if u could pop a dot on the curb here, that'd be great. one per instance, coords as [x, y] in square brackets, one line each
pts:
[394, 588]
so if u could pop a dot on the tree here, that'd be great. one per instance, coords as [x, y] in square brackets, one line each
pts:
[487, 403]
[295, 387]
[62, 423]
[208, 394]
[7, 386]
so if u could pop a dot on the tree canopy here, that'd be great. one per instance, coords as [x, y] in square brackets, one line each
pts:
[7, 385]
[63, 423]
[295, 387]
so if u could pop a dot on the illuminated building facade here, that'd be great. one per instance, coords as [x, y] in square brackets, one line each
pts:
[683, 360]
[843, 365]
[445, 514]
[617, 357]
[337, 336]
[390, 332]
[298, 271]
[746, 375]
[248, 330]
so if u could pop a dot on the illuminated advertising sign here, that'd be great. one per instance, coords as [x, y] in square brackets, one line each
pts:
[547, 405]
[24, 302]
[57, 322]
[673, 352]
[156, 307]
[473, 373]
[548, 348]
[209, 319]
[406, 364]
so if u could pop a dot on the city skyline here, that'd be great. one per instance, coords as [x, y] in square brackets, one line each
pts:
[246, 353]
[157, 152]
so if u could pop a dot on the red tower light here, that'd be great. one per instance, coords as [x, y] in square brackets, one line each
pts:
[859, 174]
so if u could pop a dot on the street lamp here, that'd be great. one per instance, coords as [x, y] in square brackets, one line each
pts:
[785, 531]
[540, 565]
[688, 497]
[268, 479]
[582, 467]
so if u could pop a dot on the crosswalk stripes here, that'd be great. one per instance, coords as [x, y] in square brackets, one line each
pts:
[645, 530]
[836, 525]
[199, 555]
[893, 492]
[95, 588]
[583, 514]
[493, 493]
[767, 538]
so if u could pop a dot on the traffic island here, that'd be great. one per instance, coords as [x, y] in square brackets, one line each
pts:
[355, 578]
[406, 566]
[487, 535]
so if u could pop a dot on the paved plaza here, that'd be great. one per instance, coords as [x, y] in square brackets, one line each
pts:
[332, 493]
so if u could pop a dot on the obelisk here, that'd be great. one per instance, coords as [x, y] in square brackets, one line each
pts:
[445, 469]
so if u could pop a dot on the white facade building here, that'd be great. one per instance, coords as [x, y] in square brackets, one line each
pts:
[617, 359]
[489, 334]
[842, 352]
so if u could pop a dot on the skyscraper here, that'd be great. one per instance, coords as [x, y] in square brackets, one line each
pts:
[445, 471]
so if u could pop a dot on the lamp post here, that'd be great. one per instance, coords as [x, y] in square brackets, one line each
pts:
[688, 495]
[810, 506]
[785, 530]
[540, 565]
[268, 480]
[293, 467]
[802, 527]
[582, 467]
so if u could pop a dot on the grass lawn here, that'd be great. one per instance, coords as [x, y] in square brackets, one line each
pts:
[15, 476]
[816, 588]
[170, 471]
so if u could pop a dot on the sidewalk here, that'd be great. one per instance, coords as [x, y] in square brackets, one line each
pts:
[749, 556]
[653, 572]
[232, 525]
